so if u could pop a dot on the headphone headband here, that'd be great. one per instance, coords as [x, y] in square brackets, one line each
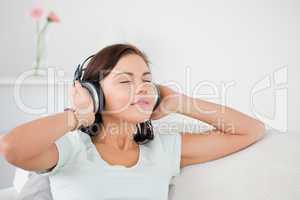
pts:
[79, 71]
[91, 56]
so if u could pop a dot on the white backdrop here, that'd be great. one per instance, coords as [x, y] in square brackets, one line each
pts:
[249, 47]
[237, 44]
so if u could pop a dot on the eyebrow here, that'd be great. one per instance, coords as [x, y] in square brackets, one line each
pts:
[131, 74]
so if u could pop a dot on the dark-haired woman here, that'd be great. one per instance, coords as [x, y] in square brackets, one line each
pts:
[121, 159]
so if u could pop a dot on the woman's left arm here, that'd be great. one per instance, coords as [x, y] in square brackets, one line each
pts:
[233, 130]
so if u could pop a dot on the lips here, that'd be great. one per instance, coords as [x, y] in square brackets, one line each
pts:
[141, 102]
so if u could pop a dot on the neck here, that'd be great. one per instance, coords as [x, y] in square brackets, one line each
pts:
[117, 134]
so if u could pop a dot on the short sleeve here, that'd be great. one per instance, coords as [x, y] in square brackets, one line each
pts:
[172, 145]
[66, 146]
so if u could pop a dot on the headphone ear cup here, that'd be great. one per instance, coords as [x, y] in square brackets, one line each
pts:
[158, 97]
[96, 94]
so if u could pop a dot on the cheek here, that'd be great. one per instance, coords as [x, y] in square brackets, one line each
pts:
[119, 99]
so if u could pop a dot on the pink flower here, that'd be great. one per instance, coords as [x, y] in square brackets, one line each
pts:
[52, 17]
[36, 13]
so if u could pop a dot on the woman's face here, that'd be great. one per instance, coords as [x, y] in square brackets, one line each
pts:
[129, 81]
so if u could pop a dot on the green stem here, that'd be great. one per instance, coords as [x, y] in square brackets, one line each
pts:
[45, 27]
[39, 49]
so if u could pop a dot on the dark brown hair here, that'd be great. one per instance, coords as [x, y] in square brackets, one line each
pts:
[99, 67]
[106, 59]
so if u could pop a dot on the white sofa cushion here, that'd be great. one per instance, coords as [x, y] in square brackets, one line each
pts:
[268, 169]
[8, 194]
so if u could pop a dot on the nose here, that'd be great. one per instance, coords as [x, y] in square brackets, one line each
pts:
[142, 89]
[145, 88]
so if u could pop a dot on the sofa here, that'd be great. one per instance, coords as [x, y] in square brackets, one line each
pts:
[267, 169]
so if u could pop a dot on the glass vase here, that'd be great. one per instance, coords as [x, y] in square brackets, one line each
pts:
[40, 59]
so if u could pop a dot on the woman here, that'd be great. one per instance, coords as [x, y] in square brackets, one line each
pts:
[111, 162]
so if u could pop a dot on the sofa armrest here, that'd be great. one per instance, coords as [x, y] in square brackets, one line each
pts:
[8, 193]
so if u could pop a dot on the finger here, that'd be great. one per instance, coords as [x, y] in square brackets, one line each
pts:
[152, 116]
[77, 83]
[78, 86]
[72, 90]
[155, 116]
[80, 89]
[72, 94]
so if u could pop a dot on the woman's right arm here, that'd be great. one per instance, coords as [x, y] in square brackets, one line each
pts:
[31, 145]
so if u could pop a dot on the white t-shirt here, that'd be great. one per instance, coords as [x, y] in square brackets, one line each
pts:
[81, 173]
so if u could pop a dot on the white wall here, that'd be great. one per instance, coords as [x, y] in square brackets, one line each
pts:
[187, 42]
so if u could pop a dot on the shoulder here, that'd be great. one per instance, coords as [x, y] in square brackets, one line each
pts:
[69, 147]
[170, 140]
[168, 144]
[72, 141]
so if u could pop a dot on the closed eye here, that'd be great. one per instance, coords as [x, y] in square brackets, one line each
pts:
[125, 82]
[130, 81]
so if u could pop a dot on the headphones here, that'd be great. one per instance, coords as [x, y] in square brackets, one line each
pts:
[95, 89]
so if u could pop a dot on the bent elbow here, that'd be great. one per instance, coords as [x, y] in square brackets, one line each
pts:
[7, 151]
[260, 131]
